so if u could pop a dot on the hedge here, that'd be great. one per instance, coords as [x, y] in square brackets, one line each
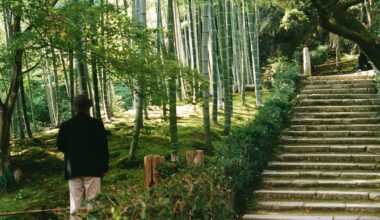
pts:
[222, 189]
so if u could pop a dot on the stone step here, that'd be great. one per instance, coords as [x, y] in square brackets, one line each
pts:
[331, 157]
[344, 108]
[342, 86]
[340, 102]
[334, 82]
[320, 183]
[332, 133]
[302, 216]
[329, 164]
[355, 76]
[337, 96]
[322, 166]
[318, 195]
[334, 121]
[332, 148]
[352, 127]
[322, 206]
[320, 174]
[338, 140]
[339, 91]
[322, 115]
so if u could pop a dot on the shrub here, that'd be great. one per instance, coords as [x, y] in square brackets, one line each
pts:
[6, 180]
[194, 193]
[250, 147]
[319, 55]
[222, 188]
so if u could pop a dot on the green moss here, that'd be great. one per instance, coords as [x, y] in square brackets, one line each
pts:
[42, 164]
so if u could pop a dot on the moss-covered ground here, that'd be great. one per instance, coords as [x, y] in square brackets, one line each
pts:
[43, 185]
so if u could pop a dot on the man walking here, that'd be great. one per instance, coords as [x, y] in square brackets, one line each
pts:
[84, 142]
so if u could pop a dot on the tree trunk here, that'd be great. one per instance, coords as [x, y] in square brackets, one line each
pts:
[224, 57]
[206, 85]
[254, 38]
[139, 89]
[31, 101]
[193, 47]
[162, 50]
[55, 90]
[72, 81]
[20, 123]
[230, 55]
[7, 107]
[80, 57]
[172, 86]
[334, 17]
[94, 69]
[103, 71]
[67, 83]
[25, 110]
[241, 20]
[216, 66]
[49, 95]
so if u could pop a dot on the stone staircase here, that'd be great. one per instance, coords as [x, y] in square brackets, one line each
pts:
[328, 167]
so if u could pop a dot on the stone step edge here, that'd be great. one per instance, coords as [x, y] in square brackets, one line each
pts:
[322, 163]
[346, 99]
[334, 148]
[322, 182]
[333, 119]
[337, 113]
[320, 194]
[321, 155]
[332, 127]
[338, 106]
[319, 174]
[329, 139]
[305, 217]
[332, 133]
[322, 205]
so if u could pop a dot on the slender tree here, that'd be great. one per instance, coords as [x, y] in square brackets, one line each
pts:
[230, 55]
[14, 14]
[80, 61]
[139, 88]
[106, 103]
[193, 46]
[172, 85]
[224, 57]
[94, 68]
[206, 83]
[253, 25]
[216, 65]
[25, 110]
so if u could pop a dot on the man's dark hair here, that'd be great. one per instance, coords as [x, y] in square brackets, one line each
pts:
[82, 103]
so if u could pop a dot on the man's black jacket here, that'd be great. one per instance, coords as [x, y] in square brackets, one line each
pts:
[83, 140]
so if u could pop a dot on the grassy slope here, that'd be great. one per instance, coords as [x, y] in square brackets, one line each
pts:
[44, 187]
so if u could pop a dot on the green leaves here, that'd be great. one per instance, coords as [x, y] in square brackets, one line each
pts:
[249, 148]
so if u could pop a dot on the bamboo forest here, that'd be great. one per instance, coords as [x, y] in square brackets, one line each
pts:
[190, 109]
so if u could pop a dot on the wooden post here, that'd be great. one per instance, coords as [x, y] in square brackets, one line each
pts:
[151, 174]
[306, 62]
[195, 157]
[190, 157]
[148, 177]
[156, 163]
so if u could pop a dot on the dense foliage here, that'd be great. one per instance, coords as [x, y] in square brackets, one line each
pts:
[249, 148]
[223, 187]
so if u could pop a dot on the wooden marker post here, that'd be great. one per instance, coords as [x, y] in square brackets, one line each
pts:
[151, 174]
[195, 157]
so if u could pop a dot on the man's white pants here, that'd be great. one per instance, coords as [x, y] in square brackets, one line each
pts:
[83, 188]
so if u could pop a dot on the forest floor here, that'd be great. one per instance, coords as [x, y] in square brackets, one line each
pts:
[43, 185]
